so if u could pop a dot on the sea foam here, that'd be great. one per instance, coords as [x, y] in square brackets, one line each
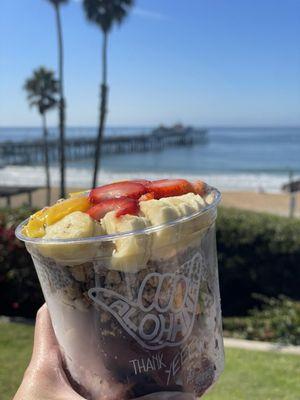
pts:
[82, 178]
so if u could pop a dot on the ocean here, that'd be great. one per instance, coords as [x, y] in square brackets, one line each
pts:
[232, 159]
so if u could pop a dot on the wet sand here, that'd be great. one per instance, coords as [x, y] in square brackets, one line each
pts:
[265, 202]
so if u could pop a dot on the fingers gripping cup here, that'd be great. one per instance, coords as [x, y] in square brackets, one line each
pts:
[136, 308]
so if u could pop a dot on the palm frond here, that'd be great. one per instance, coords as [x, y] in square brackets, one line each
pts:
[106, 12]
[42, 89]
[58, 2]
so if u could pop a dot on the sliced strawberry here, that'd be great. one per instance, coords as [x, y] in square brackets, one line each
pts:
[121, 205]
[130, 207]
[144, 182]
[132, 190]
[147, 196]
[200, 187]
[170, 187]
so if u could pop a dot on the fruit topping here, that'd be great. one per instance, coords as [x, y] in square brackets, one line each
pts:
[147, 196]
[129, 189]
[121, 205]
[122, 197]
[170, 187]
[82, 193]
[35, 227]
[49, 215]
[200, 187]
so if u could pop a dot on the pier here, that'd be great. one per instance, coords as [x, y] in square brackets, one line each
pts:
[32, 152]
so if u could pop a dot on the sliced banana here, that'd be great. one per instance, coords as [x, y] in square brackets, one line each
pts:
[74, 226]
[193, 230]
[131, 253]
[168, 209]
[186, 204]
[160, 212]
[210, 198]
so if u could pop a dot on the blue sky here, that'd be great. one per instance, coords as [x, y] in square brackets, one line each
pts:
[203, 62]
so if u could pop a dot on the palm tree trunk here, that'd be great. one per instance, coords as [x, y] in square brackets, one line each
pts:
[103, 110]
[46, 157]
[61, 103]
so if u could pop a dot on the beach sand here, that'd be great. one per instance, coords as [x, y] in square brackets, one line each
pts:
[264, 202]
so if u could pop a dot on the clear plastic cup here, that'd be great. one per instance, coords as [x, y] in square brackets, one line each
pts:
[137, 312]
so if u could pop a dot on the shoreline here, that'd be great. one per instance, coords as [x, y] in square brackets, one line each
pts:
[81, 176]
[272, 203]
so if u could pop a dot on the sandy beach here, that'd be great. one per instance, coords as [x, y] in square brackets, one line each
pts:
[262, 202]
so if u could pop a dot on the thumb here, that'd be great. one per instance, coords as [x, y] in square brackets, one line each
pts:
[45, 372]
[45, 342]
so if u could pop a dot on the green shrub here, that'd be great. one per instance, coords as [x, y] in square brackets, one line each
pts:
[277, 321]
[20, 293]
[258, 253]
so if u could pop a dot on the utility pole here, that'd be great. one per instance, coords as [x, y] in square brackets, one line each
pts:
[293, 193]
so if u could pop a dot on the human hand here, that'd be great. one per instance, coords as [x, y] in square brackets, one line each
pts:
[45, 378]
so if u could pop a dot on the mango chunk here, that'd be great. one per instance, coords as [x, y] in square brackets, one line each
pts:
[78, 194]
[36, 224]
[48, 216]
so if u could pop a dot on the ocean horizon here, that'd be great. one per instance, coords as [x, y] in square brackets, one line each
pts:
[247, 158]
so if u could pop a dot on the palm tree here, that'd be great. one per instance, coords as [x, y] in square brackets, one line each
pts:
[56, 4]
[42, 89]
[104, 13]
